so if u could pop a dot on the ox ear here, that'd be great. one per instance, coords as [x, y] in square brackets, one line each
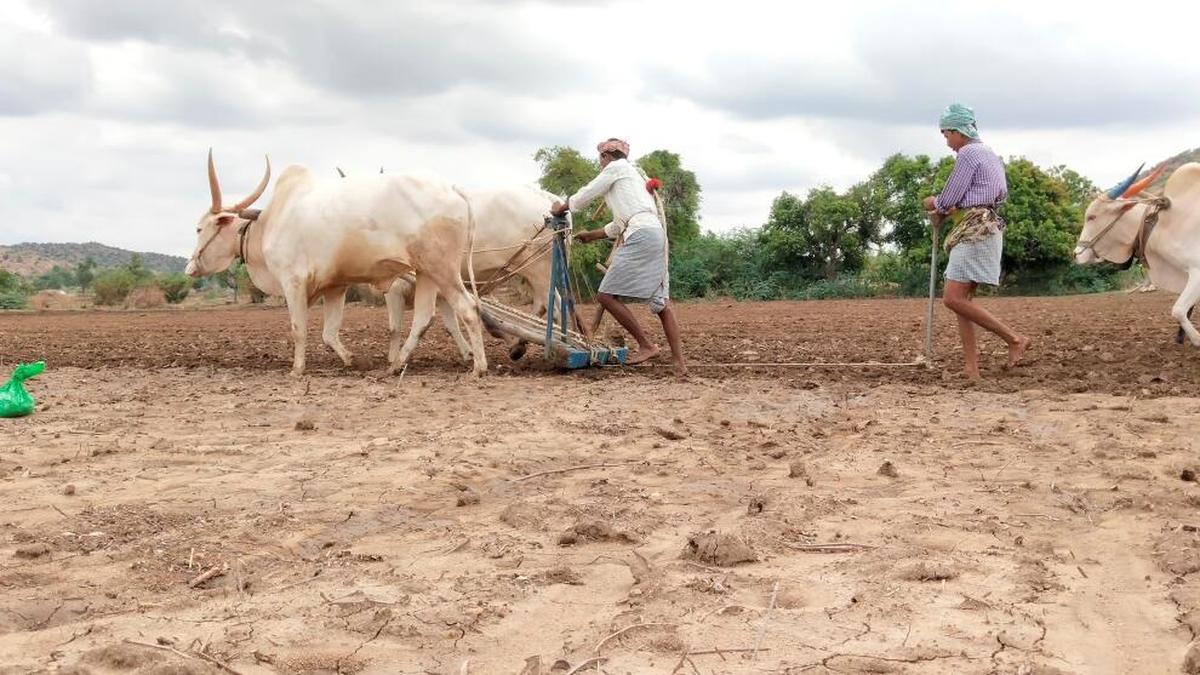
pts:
[225, 220]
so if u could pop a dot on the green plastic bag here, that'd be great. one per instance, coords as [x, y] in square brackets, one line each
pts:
[14, 400]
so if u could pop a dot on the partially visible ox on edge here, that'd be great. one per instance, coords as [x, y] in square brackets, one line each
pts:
[1113, 232]
[316, 238]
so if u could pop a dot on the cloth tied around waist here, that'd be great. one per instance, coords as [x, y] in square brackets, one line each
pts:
[974, 223]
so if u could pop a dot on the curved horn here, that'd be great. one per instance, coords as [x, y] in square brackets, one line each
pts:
[262, 187]
[1137, 188]
[1121, 187]
[213, 186]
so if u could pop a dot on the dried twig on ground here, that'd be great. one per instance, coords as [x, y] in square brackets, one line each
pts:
[214, 571]
[830, 547]
[188, 654]
[592, 661]
[762, 627]
[626, 629]
[570, 468]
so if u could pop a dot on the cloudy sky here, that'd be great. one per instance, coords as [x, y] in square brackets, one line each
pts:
[107, 108]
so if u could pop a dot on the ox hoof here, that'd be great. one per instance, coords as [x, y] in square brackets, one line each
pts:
[1180, 336]
[517, 352]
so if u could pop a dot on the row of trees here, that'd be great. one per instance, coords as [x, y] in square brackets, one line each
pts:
[113, 286]
[870, 239]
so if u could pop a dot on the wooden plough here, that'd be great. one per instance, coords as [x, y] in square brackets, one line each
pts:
[561, 332]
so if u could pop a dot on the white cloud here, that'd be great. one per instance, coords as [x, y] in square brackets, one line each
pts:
[107, 109]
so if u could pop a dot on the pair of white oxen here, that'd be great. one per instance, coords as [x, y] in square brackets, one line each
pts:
[317, 237]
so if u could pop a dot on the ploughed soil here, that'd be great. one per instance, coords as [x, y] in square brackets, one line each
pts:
[179, 504]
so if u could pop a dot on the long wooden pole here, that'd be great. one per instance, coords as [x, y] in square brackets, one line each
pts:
[935, 223]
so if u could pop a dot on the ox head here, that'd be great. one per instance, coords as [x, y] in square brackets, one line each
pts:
[217, 231]
[1112, 221]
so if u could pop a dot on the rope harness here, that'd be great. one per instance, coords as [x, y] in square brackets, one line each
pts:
[1145, 228]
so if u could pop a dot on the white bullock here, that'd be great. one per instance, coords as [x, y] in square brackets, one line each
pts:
[509, 237]
[315, 238]
[1120, 225]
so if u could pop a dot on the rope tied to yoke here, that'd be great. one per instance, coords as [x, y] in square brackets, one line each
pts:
[1156, 206]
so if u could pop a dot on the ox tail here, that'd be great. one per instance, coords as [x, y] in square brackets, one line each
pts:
[470, 243]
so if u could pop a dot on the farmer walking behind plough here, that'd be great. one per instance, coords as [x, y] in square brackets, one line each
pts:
[639, 268]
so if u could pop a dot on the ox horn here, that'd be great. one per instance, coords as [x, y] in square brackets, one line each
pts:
[1137, 188]
[213, 186]
[262, 187]
[1121, 187]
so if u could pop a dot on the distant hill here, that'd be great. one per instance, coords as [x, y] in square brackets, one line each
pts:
[31, 260]
[1173, 163]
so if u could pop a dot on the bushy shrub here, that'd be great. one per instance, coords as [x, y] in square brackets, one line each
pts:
[13, 300]
[175, 287]
[113, 286]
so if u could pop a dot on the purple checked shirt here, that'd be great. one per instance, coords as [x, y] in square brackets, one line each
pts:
[977, 180]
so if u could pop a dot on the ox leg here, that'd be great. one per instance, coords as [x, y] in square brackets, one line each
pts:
[395, 299]
[1184, 304]
[297, 304]
[1180, 336]
[424, 301]
[468, 313]
[541, 286]
[335, 304]
[451, 323]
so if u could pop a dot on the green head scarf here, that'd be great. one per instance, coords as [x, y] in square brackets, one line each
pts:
[960, 118]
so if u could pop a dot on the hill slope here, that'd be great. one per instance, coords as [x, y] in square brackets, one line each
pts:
[32, 259]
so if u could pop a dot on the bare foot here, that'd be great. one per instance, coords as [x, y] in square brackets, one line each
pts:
[642, 355]
[681, 371]
[1016, 351]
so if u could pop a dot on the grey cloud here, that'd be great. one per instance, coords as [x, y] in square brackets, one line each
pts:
[38, 74]
[908, 66]
[355, 47]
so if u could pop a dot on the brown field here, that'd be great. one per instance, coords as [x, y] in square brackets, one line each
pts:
[178, 504]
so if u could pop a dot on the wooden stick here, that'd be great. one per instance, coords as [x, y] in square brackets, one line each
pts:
[594, 660]
[570, 468]
[214, 571]
[935, 221]
[762, 627]
[829, 547]
[709, 652]
[188, 654]
[626, 629]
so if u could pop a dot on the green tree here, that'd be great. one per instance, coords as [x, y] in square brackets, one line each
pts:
[565, 170]
[1080, 189]
[85, 273]
[823, 235]
[175, 287]
[1043, 216]
[111, 287]
[14, 291]
[901, 184]
[58, 277]
[680, 193]
[138, 269]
